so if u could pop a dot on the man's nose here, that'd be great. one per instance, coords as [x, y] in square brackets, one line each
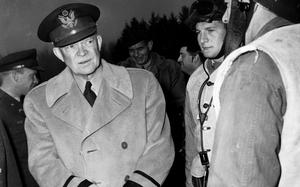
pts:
[135, 53]
[179, 59]
[81, 51]
[203, 37]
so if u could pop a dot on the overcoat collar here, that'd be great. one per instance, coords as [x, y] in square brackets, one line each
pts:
[68, 103]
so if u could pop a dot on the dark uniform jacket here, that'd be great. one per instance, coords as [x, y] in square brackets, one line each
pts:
[12, 117]
[9, 174]
[171, 79]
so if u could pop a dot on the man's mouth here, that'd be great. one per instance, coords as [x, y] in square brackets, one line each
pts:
[206, 48]
[84, 62]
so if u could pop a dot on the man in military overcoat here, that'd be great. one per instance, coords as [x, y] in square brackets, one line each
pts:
[94, 124]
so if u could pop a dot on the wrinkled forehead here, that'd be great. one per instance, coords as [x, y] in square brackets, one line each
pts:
[29, 71]
[206, 25]
[138, 45]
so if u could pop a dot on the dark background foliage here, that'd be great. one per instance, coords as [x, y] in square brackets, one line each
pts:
[168, 33]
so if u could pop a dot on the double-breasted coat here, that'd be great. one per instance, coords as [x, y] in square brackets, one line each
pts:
[125, 135]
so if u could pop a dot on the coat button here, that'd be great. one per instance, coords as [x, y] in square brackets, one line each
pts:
[205, 128]
[209, 83]
[205, 105]
[20, 122]
[126, 178]
[124, 145]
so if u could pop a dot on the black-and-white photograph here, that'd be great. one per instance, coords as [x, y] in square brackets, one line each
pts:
[160, 93]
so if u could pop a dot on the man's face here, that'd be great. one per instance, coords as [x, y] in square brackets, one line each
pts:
[210, 37]
[26, 80]
[139, 52]
[187, 61]
[82, 57]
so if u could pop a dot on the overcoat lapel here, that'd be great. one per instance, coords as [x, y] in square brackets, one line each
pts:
[68, 103]
[73, 108]
[108, 105]
[66, 100]
[114, 96]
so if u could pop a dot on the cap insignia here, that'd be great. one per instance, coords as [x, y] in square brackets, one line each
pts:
[67, 19]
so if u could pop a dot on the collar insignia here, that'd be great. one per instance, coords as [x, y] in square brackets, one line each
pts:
[67, 19]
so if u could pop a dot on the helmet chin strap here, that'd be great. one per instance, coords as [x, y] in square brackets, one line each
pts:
[221, 52]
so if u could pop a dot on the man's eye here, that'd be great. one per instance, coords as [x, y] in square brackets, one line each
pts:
[89, 41]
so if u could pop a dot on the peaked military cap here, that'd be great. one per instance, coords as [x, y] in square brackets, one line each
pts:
[69, 23]
[20, 59]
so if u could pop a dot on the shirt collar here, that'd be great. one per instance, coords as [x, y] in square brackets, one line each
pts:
[117, 78]
[95, 80]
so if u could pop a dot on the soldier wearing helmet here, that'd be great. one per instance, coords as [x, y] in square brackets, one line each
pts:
[206, 19]
[257, 99]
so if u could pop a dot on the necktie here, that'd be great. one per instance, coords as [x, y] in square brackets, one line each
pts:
[89, 94]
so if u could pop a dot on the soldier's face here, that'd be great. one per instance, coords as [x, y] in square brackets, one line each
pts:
[187, 61]
[83, 57]
[210, 36]
[27, 80]
[139, 52]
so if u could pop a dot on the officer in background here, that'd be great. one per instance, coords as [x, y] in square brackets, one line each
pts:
[172, 81]
[94, 124]
[190, 56]
[17, 77]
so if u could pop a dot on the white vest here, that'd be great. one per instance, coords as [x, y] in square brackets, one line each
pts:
[193, 87]
[283, 46]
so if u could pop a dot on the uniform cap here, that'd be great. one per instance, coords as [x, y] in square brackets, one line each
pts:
[21, 59]
[69, 24]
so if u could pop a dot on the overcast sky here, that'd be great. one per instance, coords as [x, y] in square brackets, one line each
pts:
[19, 19]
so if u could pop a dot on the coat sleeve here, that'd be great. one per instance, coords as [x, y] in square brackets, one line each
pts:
[44, 163]
[190, 146]
[154, 164]
[247, 137]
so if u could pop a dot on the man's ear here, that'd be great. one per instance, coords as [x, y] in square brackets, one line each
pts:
[15, 76]
[58, 53]
[99, 40]
[195, 58]
[150, 45]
